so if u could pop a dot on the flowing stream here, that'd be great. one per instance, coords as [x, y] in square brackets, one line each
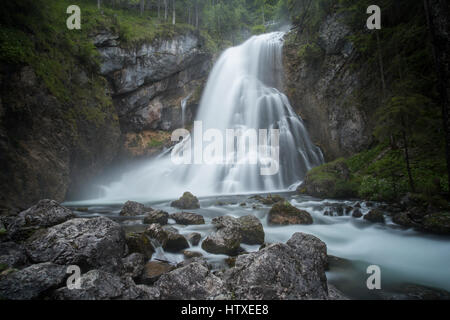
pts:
[243, 92]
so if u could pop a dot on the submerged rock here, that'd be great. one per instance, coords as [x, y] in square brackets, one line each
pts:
[192, 254]
[416, 292]
[194, 238]
[437, 223]
[186, 218]
[192, 282]
[283, 213]
[132, 209]
[374, 216]
[187, 201]
[100, 285]
[140, 243]
[157, 216]
[357, 213]
[269, 200]
[32, 282]
[403, 219]
[91, 243]
[295, 270]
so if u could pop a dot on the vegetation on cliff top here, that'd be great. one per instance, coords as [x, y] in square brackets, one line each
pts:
[401, 102]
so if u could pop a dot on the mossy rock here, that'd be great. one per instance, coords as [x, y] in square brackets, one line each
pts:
[187, 201]
[140, 243]
[375, 216]
[283, 213]
[437, 223]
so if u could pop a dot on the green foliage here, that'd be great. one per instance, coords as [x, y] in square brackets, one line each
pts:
[310, 52]
[259, 29]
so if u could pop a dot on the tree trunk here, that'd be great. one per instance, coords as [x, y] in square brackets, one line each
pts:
[196, 14]
[408, 164]
[99, 3]
[159, 9]
[142, 6]
[173, 12]
[437, 13]
[165, 9]
[380, 62]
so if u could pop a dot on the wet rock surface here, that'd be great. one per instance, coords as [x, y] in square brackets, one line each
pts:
[101, 285]
[140, 243]
[283, 213]
[132, 209]
[32, 282]
[375, 216]
[187, 201]
[194, 281]
[231, 232]
[156, 216]
[186, 218]
[295, 270]
[90, 243]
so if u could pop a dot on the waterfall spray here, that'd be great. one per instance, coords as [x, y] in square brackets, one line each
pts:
[242, 93]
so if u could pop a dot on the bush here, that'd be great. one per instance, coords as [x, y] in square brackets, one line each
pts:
[258, 29]
[311, 53]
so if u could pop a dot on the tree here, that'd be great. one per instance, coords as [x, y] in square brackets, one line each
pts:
[437, 13]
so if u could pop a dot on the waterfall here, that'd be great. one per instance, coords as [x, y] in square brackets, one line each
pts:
[242, 92]
[183, 109]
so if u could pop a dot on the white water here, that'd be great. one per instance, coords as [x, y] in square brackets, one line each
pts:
[241, 93]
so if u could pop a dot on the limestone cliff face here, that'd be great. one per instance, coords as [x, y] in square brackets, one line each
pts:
[325, 90]
[47, 150]
[150, 80]
[44, 150]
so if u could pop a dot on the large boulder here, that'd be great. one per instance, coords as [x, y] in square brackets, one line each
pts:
[295, 270]
[89, 243]
[132, 209]
[157, 216]
[251, 229]
[192, 282]
[168, 237]
[374, 216]
[226, 239]
[283, 213]
[187, 201]
[32, 282]
[46, 213]
[12, 255]
[153, 270]
[187, 218]
[231, 232]
[101, 285]
[140, 243]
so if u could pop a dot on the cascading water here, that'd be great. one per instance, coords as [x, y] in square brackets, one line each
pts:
[242, 92]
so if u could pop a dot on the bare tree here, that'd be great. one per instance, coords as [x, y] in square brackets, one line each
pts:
[173, 12]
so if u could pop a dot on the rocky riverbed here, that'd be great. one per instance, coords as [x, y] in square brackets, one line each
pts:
[236, 247]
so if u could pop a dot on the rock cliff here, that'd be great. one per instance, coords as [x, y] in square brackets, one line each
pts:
[325, 88]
